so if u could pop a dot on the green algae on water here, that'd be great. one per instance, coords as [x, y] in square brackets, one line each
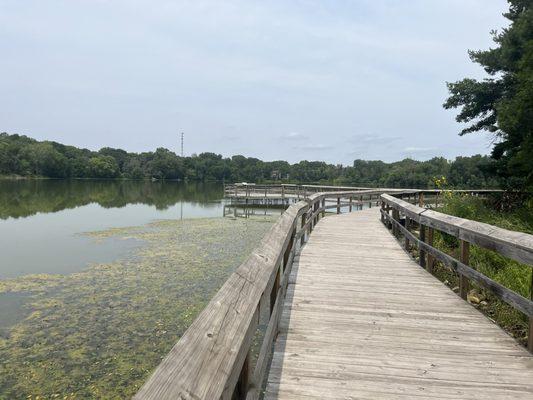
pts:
[99, 333]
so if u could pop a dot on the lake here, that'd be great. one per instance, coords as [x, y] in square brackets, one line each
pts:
[42, 221]
[98, 279]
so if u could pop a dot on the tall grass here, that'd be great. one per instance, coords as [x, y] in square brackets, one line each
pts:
[509, 273]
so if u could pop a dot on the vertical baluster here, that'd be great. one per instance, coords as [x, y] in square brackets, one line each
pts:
[422, 253]
[406, 238]
[338, 205]
[241, 390]
[463, 280]
[530, 333]
[431, 259]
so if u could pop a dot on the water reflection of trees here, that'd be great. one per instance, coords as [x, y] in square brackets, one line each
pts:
[22, 198]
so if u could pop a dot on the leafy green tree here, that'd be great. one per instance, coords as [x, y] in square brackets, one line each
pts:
[503, 103]
[45, 160]
[103, 167]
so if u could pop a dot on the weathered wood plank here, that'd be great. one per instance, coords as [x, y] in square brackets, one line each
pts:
[362, 320]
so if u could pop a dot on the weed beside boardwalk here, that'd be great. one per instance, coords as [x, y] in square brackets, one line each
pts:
[511, 274]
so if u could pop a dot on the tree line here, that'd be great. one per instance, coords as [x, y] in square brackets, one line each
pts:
[23, 156]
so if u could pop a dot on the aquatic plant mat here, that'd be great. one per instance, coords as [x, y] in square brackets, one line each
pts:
[99, 333]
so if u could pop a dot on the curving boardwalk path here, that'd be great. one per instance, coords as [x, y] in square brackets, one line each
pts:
[362, 320]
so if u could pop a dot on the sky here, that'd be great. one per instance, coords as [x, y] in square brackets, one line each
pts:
[278, 80]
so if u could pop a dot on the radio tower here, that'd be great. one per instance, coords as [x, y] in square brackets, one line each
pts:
[182, 144]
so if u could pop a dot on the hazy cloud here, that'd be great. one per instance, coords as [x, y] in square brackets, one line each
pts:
[134, 74]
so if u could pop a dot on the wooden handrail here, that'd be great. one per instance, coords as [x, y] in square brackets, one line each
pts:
[517, 246]
[212, 358]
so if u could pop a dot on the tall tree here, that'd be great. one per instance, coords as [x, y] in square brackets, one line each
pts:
[503, 102]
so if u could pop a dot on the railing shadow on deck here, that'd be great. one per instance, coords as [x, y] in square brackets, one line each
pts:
[213, 358]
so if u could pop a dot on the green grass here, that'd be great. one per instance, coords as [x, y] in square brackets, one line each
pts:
[509, 273]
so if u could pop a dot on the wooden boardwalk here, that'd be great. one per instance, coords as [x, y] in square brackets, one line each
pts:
[362, 320]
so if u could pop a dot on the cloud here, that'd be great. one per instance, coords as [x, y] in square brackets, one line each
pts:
[419, 149]
[294, 136]
[313, 147]
[373, 138]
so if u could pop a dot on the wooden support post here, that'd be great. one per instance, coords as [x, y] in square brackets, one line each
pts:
[338, 205]
[431, 259]
[275, 289]
[422, 253]
[302, 238]
[282, 191]
[370, 201]
[530, 333]
[395, 217]
[350, 208]
[463, 280]
[420, 199]
[406, 238]
[241, 390]
[381, 213]
[323, 207]
[436, 199]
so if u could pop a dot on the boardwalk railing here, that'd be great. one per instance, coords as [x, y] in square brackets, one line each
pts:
[213, 359]
[402, 216]
[281, 190]
[245, 191]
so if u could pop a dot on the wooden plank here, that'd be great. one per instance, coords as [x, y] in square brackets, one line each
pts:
[361, 320]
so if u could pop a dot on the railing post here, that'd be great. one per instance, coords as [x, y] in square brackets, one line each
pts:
[383, 210]
[323, 207]
[431, 259]
[350, 207]
[395, 217]
[369, 201]
[530, 333]
[338, 205]
[422, 253]
[302, 239]
[420, 199]
[406, 238]
[241, 390]
[463, 280]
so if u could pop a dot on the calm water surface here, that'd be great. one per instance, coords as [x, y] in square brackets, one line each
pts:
[42, 221]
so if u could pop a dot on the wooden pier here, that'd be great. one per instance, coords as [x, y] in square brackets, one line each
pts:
[351, 315]
[362, 320]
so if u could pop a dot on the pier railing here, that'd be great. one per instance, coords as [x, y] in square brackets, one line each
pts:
[244, 190]
[214, 357]
[404, 218]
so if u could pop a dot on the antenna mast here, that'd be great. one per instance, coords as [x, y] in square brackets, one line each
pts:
[182, 144]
